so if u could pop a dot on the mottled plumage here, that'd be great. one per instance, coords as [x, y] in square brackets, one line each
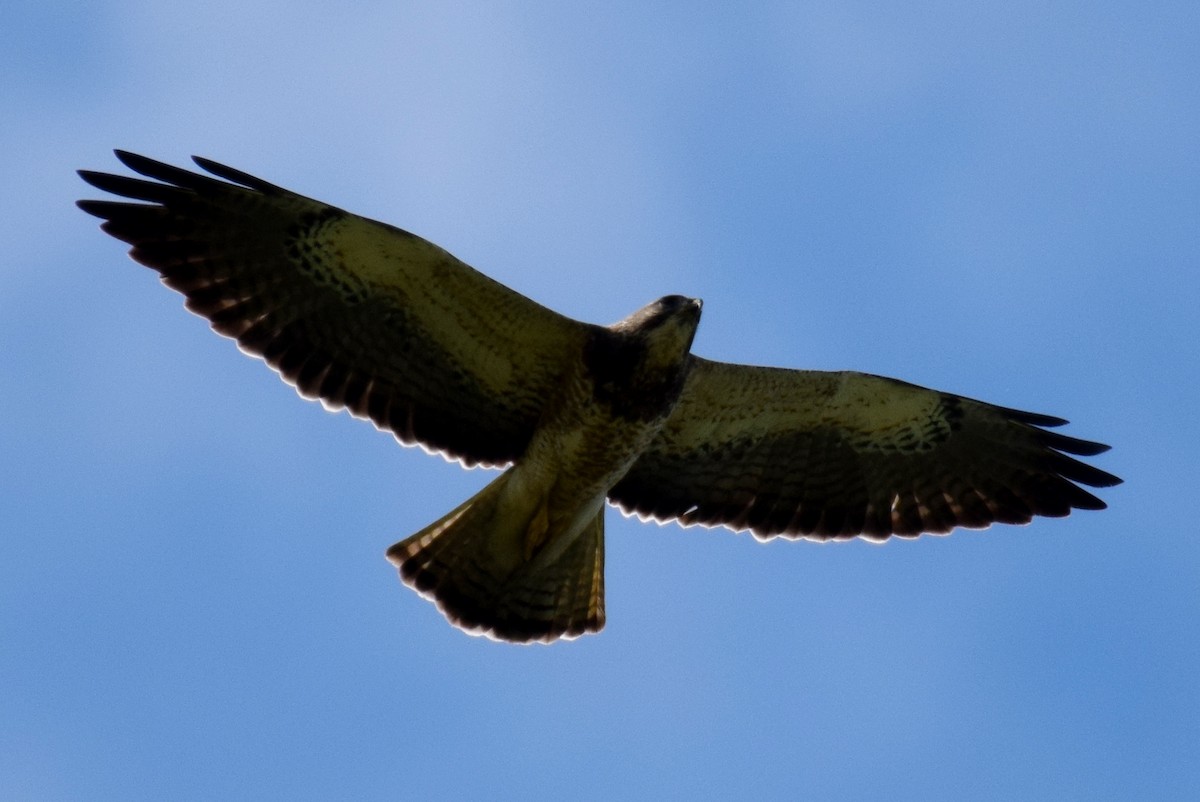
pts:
[373, 319]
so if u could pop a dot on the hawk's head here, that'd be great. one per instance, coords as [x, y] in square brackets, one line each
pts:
[638, 365]
[664, 329]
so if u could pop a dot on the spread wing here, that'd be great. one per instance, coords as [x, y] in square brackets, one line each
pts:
[360, 314]
[837, 455]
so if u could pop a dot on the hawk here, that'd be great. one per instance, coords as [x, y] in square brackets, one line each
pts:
[372, 319]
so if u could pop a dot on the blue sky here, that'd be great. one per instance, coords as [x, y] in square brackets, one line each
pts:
[1002, 202]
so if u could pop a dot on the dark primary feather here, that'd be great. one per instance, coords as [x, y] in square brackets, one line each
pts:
[359, 314]
[777, 452]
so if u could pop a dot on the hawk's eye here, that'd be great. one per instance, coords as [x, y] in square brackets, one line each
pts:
[673, 303]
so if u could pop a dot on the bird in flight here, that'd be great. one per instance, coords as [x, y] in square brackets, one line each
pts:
[370, 318]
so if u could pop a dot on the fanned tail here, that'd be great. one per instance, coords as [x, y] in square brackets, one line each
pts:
[487, 573]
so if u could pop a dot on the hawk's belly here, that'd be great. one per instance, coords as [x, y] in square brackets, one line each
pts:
[581, 448]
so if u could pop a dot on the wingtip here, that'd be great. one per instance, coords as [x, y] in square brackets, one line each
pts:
[91, 207]
[92, 177]
[129, 158]
[150, 168]
[1035, 418]
[237, 176]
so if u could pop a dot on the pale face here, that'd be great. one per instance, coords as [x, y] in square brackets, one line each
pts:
[669, 327]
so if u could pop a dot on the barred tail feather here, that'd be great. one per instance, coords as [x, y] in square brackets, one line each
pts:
[473, 564]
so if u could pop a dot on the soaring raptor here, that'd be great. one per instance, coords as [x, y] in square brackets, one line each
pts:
[373, 319]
